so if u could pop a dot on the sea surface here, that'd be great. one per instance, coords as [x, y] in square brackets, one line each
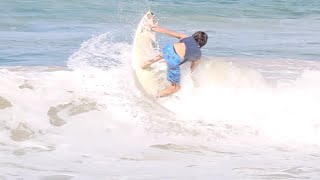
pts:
[70, 107]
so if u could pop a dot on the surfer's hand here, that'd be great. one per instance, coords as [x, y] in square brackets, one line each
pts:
[155, 28]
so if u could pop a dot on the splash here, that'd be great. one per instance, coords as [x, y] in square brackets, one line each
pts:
[100, 51]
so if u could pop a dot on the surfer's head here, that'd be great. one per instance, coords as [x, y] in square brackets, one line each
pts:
[201, 38]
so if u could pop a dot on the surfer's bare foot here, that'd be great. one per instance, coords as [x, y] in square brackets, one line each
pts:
[146, 64]
[170, 90]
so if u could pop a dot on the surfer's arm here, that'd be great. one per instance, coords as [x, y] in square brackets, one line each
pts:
[194, 64]
[168, 32]
[151, 61]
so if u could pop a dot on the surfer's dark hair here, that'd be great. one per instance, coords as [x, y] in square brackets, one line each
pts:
[201, 38]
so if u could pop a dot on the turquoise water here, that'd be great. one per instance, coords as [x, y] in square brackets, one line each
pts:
[47, 32]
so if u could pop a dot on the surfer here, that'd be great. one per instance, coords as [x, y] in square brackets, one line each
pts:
[187, 49]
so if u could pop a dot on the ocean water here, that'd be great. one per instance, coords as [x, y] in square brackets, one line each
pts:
[70, 107]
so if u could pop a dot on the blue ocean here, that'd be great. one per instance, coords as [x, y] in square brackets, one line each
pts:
[71, 108]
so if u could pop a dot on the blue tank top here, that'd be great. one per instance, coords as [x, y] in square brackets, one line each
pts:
[193, 51]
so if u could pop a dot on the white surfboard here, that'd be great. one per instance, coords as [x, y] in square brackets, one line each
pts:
[152, 79]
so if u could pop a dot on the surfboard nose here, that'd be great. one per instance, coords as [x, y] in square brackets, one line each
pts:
[152, 16]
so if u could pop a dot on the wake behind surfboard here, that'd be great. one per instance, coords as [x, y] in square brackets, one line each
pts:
[145, 48]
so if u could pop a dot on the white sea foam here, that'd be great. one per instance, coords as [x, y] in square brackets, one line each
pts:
[94, 112]
[219, 92]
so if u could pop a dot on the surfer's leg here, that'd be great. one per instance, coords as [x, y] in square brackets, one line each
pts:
[173, 76]
[173, 71]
